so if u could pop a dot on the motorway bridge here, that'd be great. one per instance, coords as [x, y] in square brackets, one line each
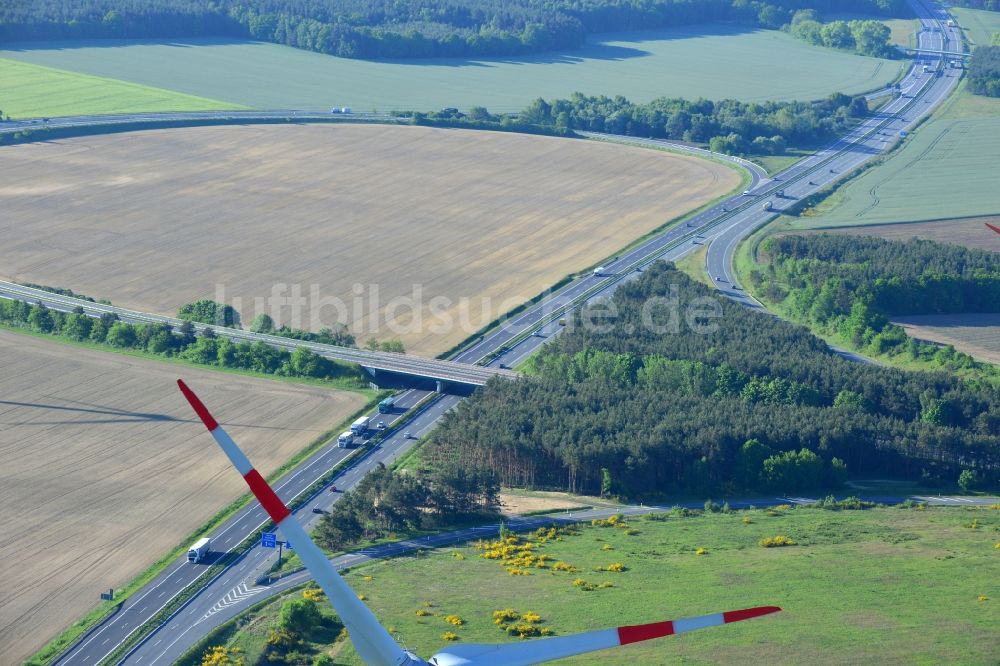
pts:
[447, 375]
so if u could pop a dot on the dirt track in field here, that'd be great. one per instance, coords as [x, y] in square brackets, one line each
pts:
[105, 470]
[156, 219]
[971, 232]
[976, 334]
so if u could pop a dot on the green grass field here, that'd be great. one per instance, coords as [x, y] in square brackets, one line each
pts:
[947, 169]
[712, 61]
[32, 91]
[888, 585]
[979, 25]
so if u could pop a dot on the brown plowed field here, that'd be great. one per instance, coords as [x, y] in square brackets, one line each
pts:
[970, 232]
[105, 469]
[155, 219]
[976, 334]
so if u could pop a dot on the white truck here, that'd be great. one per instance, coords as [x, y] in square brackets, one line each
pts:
[360, 426]
[199, 549]
[345, 439]
[599, 271]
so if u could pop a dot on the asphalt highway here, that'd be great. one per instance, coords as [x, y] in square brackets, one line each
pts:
[722, 225]
[921, 94]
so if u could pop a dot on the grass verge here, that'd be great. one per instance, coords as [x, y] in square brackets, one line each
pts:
[855, 586]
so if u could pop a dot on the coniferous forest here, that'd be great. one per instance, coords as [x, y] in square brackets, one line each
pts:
[647, 402]
[852, 285]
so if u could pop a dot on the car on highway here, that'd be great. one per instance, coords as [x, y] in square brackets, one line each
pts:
[747, 193]
[316, 509]
[333, 489]
[408, 435]
[381, 425]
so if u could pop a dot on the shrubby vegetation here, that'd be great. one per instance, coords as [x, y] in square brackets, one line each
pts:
[210, 312]
[984, 71]
[163, 340]
[729, 126]
[387, 502]
[851, 285]
[867, 37]
[402, 29]
[755, 404]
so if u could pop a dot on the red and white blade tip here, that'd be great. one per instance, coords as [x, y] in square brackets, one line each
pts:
[199, 407]
[275, 508]
[996, 229]
[645, 632]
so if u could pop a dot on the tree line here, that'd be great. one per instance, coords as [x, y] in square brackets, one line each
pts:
[386, 502]
[398, 29]
[182, 343]
[648, 406]
[984, 71]
[866, 37]
[851, 285]
[729, 126]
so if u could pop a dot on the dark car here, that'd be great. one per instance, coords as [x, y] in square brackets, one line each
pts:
[316, 509]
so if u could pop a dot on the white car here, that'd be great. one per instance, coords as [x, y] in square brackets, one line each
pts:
[747, 193]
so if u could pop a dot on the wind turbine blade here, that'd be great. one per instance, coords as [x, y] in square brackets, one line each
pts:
[373, 643]
[548, 649]
[996, 229]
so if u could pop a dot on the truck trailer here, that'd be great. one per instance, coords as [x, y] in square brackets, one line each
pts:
[199, 549]
[360, 426]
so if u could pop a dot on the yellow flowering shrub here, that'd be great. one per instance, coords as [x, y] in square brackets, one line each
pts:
[222, 656]
[504, 616]
[776, 542]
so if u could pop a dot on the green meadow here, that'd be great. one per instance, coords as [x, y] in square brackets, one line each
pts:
[946, 169]
[978, 24]
[885, 585]
[32, 91]
[711, 61]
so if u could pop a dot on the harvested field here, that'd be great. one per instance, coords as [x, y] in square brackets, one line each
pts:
[970, 232]
[106, 469]
[976, 334]
[419, 234]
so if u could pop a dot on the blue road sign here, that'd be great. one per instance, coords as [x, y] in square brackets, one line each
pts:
[288, 545]
[903, 133]
[268, 540]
